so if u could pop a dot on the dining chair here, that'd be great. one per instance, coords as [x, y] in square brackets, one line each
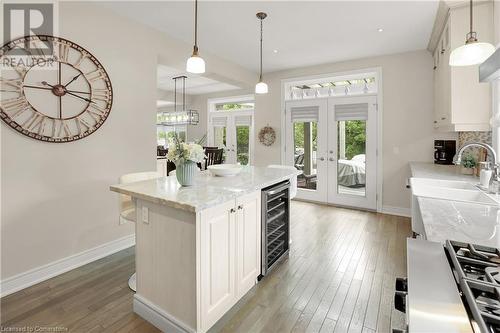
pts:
[127, 206]
[213, 156]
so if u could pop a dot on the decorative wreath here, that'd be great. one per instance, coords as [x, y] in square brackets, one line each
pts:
[267, 136]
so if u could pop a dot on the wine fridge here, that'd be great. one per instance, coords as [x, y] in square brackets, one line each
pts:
[275, 225]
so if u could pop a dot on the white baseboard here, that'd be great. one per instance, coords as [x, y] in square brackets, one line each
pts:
[45, 272]
[399, 211]
[159, 318]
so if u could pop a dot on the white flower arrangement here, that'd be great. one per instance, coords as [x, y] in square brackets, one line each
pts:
[181, 152]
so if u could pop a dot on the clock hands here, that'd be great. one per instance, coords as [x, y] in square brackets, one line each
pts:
[45, 88]
[72, 80]
[61, 90]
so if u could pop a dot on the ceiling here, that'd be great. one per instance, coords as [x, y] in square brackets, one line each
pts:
[195, 84]
[303, 32]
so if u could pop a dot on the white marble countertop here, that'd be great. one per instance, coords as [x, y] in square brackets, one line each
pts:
[461, 221]
[208, 191]
[439, 171]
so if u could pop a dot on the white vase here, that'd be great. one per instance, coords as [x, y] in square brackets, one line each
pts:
[185, 173]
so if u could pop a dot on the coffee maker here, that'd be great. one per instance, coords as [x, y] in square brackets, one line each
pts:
[444, 151]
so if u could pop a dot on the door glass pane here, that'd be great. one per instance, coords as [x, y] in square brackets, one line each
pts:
[351, 166]
[242, 144]
[220, 136]
[305, 136]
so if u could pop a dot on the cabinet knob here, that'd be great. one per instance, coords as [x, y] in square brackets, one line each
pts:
[435, 121]
[443, 118]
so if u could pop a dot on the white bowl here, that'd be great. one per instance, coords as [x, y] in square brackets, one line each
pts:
[224, 170]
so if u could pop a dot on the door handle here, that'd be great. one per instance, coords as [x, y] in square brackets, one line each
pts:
[331, 151]
[240, 207]
[321, 158]
[232, 211]
[331, 159]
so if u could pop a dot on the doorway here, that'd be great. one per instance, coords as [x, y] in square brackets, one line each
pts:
[230, 126]
[333, 141]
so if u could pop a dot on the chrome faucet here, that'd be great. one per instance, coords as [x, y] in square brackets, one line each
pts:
[495, 179]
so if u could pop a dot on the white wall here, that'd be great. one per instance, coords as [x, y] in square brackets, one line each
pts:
[55, 198]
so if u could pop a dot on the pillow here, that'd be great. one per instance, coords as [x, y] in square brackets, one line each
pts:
[359, 158]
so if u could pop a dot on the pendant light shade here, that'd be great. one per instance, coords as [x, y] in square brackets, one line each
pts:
[469, 54]
[473, 52]
[195, 64]
[261, 87]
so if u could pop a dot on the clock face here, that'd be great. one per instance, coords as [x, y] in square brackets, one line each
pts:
[58, 97]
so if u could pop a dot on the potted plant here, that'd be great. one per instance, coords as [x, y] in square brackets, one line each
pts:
[185, 156]
[468, 164]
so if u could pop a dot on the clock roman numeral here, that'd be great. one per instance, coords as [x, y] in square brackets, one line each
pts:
[94, 76]
[83, 56]
[82, 122]
[63, 52]
[15, 105]
[16, 83]
[63, 127]
[102, 95]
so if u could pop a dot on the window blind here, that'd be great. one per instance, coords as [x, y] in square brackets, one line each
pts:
[305, 113]
[356, 111]
[219, 121]
[243, 120]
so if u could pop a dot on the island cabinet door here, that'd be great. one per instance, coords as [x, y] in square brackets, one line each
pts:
[248, 224]
[217, 262]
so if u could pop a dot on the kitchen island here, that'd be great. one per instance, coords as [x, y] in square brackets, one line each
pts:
[198, 247]
[439, 219]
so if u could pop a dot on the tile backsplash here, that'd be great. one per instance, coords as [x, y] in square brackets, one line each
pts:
[465, 137]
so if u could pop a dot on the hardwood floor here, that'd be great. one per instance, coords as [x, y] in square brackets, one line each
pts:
[339, 278]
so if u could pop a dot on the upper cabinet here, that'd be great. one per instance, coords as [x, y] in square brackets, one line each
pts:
[461, 102]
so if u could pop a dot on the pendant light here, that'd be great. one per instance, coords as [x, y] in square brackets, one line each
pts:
[195, 64]
[185, 116]
[261, 87]
[473, 52]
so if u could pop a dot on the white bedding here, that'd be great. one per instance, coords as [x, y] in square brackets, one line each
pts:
[352, 172]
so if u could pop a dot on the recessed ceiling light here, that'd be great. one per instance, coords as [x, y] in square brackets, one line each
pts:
[275, 51]
[380, 29]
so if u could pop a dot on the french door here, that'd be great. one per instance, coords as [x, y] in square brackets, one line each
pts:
[233, 131]
[334, 142]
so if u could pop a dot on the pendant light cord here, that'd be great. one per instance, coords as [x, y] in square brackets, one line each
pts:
[175, 94]
[471, 16]
[183, 93]
[196, 26]
[260, 76]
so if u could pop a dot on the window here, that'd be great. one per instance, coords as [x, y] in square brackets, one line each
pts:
[234, 106]
[164, 134]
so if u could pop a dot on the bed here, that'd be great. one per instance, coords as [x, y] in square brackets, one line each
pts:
[352, 172]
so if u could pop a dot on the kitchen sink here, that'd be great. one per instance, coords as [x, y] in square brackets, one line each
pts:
[449, 190]
[457, 184]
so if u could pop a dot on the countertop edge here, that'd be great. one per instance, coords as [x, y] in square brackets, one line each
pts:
[194, 208]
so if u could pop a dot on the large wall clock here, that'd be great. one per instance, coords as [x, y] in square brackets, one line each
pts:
[58, 97]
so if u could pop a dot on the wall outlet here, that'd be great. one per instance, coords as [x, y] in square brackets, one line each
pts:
[145, 215]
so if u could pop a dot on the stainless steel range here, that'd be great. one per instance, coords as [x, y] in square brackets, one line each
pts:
[451, 288]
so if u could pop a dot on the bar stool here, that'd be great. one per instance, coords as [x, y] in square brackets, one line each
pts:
[127, 206]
